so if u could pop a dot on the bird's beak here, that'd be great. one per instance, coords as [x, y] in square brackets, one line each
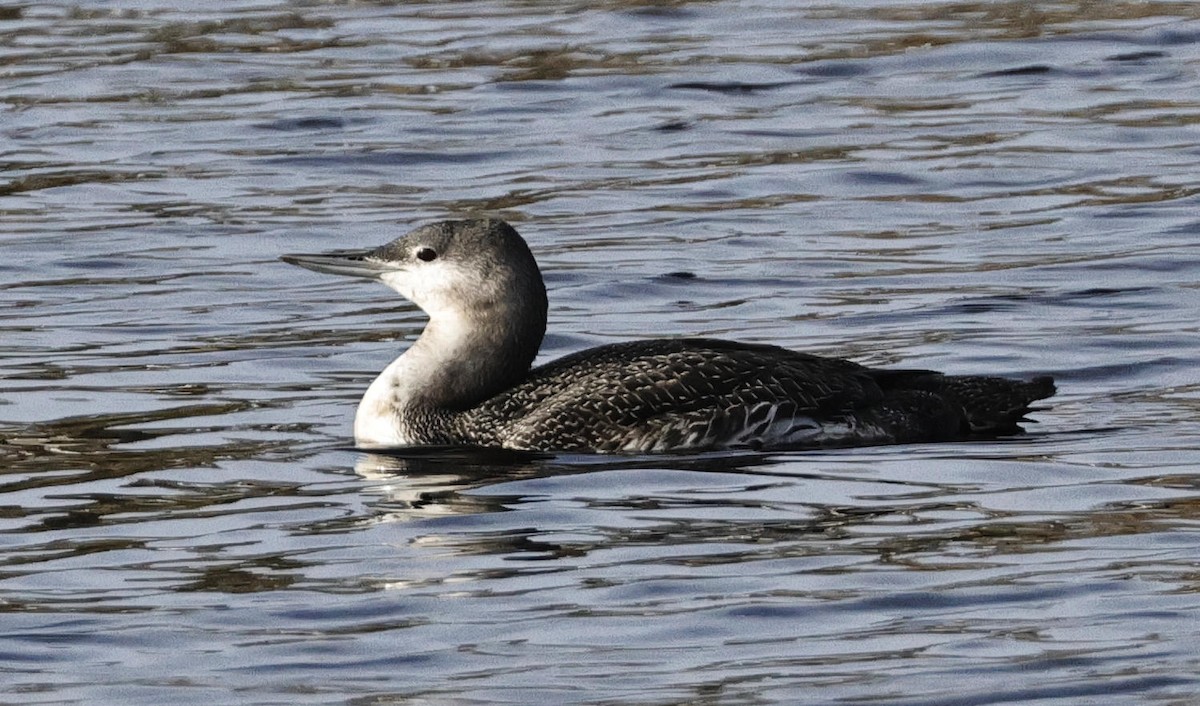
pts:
[352, 263]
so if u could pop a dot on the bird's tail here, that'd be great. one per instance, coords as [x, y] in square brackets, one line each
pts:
[989, 405]
[995, 405]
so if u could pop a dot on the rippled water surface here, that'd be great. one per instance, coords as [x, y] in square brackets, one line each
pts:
[1008, 187]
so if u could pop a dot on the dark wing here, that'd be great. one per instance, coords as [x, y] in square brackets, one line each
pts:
[675, 393]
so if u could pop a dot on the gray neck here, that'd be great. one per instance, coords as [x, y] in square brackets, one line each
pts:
[453, 366]
[461, 362]
[463, 357]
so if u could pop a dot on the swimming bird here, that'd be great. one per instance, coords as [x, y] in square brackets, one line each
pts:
[468, 380]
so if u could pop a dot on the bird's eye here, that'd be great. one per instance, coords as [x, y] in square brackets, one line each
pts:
[426, 255]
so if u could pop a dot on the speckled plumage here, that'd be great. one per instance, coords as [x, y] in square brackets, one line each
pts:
[670, 394]
[467, 380]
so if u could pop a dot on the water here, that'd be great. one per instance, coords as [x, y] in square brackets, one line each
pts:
[1005, 187]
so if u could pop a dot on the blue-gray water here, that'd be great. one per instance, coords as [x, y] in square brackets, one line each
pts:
[1004, 187]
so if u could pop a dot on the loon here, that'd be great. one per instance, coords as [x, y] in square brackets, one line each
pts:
[468, 381]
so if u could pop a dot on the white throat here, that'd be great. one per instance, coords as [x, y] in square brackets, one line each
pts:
[406, 384]
[378, 419]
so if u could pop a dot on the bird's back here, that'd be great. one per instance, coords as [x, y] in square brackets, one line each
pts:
[691, 394]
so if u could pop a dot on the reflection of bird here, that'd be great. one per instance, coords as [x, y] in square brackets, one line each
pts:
[467, 379]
